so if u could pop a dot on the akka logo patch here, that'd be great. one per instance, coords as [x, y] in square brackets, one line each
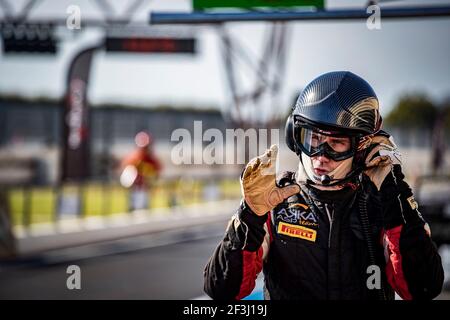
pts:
[297, 231]
[298, 213]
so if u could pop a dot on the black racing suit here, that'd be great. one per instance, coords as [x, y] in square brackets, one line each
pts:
[315, 245]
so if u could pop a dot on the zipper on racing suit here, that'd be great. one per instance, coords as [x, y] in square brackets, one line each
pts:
[330, 219]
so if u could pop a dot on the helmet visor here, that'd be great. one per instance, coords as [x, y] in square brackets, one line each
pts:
[316, 142]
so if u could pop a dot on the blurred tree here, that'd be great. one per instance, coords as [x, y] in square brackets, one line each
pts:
[417, 111]
[412, 111]
[439, 142]
[446, 111]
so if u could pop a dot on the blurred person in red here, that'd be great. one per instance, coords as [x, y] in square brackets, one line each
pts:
[139, 170]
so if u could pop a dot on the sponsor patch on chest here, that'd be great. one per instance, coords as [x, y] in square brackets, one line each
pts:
[297, 231]
[300, 214]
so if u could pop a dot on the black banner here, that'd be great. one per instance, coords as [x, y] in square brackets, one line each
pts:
[76, 119]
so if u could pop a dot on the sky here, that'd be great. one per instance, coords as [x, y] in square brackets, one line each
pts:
[404, 56]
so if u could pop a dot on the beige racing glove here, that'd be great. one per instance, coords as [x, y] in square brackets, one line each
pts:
[258, 183]
[381, 158]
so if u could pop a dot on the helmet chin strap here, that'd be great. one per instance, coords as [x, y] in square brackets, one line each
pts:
[332, 181]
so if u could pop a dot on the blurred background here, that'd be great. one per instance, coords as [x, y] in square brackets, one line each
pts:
[92, 94]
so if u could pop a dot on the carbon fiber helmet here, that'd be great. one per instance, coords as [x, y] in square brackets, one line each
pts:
[335, 103]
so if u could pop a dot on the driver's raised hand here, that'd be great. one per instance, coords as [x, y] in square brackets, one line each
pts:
[258, 183]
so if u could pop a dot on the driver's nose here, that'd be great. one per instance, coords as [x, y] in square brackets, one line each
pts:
[322, 158]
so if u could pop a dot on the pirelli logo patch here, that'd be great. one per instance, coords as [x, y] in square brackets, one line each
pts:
[297, 231]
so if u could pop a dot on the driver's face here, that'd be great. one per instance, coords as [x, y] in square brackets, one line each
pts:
[322, 164]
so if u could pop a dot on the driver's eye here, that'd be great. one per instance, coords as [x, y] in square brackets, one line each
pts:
[338, 142]
[315, 139]
[340, 145]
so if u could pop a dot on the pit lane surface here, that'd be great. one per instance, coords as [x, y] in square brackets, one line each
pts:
[164, 270]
